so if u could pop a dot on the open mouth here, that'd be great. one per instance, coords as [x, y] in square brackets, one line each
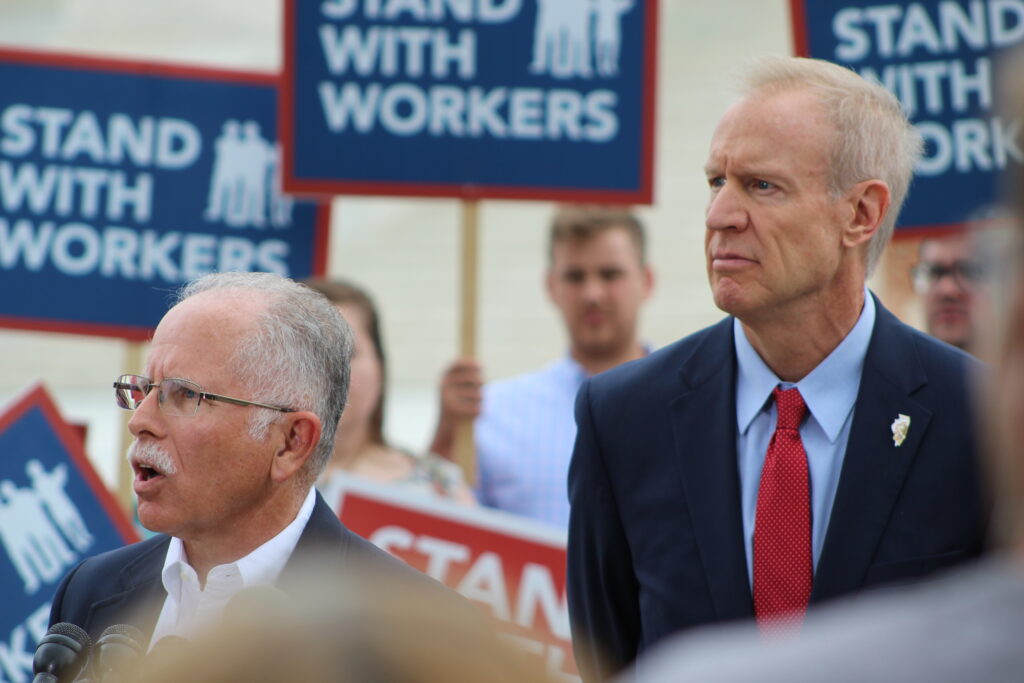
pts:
[146, 473]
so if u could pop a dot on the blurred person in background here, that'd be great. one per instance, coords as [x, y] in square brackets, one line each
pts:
[950, 279]
[598, 278]
[360, 448]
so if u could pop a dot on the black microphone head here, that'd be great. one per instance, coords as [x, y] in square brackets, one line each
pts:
[62, 652]
[76, 633]
[125, 630]
[118, 647]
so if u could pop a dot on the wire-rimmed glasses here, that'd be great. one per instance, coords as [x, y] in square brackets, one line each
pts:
[176, 396]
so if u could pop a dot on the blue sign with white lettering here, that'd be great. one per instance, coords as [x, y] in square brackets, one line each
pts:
[54, 512]
[120, 181]
[523, 99]
[939, 59]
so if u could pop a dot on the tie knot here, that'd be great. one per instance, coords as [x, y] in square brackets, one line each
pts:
[791, 408]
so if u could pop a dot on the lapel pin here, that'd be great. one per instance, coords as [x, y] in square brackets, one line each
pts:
[900, 427]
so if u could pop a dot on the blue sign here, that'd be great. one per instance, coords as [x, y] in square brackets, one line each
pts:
[119, 181]
[54, 511]
[519, 99]
[939, 58]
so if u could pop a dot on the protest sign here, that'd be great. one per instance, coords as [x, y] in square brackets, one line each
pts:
[523, 99]
[939, 58]
[512, 567]
[54, 512]
[121, 180]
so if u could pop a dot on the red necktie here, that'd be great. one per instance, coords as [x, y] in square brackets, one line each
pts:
[783, 570]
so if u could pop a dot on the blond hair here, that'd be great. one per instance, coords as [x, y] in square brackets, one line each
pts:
[873, 138]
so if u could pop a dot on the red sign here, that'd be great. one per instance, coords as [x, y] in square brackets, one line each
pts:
[513, 568]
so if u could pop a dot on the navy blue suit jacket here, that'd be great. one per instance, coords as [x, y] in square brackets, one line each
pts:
[124, 586]
[656, 535]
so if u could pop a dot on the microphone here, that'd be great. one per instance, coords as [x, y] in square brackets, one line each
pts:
[61, 654]
[118, 647]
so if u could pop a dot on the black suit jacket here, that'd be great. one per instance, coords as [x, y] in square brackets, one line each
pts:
[123, 586]
[656, 535]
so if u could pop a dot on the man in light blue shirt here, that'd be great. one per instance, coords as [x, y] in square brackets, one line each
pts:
[598, 279]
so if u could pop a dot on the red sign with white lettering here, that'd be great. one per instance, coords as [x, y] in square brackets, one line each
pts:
[515, 569]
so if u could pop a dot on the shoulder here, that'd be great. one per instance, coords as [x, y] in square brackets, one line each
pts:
[905, 350]
[326, 543]
[436, 476]
[326, 538]
[554, 375]
[102, 576]
[106, 566]
[906, 629]
[689, 358]
[439, 470]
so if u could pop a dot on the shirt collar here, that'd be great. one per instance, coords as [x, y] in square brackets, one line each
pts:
[262, 566]
[830, 390]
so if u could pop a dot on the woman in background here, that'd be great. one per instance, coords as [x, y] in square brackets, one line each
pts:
[360, 448]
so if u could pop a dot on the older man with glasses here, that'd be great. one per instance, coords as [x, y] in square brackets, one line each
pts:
[234, 420]
[950, 279]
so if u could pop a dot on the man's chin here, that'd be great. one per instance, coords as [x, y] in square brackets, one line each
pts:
[595, 344]
[957, 335]
[730, 300]
[152, 518]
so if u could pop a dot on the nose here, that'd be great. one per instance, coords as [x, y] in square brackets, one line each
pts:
[147, 418]
[947, 285]
[592, 288]
[725, 209]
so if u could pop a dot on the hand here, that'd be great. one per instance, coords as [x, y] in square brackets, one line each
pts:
[461, 390]
[461, 398]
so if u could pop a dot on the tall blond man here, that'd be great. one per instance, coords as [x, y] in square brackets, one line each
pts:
[807, 446]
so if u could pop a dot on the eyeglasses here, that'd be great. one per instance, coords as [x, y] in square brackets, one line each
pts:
[966, 274]
[176, 396]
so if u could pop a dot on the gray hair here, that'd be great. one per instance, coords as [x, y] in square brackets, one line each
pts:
[298, 357]
[873, 138]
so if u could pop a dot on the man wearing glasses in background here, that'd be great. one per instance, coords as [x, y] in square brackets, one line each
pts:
[246, 379]
[949, 278]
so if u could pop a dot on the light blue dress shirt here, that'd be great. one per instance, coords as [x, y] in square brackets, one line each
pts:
[830, 392]
[524, 440]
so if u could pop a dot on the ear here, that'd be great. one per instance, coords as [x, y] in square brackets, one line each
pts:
[648, 276]
[301, 433]
[869, 202]
[549, 284]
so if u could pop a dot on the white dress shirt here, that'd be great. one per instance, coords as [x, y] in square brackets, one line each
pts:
[189, 608]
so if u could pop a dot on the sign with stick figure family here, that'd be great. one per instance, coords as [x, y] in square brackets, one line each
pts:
[119, 181]
[519, 99]
[940, 59]
[54, 512]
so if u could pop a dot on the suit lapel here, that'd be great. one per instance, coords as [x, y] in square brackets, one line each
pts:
[874, 468]
[322, 532]
[704, 427]
[325, 539]
[142, 597]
